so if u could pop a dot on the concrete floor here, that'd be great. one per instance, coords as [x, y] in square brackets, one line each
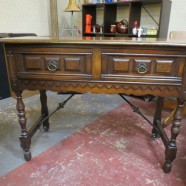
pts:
[78, 112]
[114, 149]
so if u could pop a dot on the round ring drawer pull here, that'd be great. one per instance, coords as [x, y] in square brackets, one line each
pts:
[142, 68]
[52, 65]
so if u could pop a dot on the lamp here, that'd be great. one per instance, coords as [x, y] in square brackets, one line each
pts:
[72, 7]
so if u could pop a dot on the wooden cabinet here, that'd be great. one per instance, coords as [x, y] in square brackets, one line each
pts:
[132, 11]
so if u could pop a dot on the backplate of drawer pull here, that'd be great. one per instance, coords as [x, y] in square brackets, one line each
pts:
[142, 68]
[52, 65]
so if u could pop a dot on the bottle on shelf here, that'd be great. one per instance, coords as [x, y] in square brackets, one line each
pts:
[135, 28]
[88, 23]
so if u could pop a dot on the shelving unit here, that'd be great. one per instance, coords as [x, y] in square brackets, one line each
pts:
[135, 7]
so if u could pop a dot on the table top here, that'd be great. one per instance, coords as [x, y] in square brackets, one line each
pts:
[96, 41]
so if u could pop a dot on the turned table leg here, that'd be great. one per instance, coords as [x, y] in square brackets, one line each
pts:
[44, 109]
[171, 148]
[25, 139]
[157, 117]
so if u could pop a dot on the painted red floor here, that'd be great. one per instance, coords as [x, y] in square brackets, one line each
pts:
[115, 150]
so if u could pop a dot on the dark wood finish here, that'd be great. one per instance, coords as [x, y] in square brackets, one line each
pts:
[99, 65]
[171, 148]
[25, 138]
[135, 9]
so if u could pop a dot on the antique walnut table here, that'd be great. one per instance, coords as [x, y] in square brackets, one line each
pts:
[99, 65]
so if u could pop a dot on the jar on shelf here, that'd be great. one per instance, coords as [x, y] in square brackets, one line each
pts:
[112, 28]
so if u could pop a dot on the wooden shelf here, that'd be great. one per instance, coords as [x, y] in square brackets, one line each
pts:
[135, 9]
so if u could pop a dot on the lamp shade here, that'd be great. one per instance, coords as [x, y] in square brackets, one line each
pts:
[72, 6]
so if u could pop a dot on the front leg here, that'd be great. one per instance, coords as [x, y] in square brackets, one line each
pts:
[25, 139]
[171, 149]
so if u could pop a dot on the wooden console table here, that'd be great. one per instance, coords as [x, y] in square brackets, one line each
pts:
[99, 65]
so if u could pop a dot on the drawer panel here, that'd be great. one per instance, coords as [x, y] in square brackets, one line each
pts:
[33, 63]
[165, 66]
[65, 64]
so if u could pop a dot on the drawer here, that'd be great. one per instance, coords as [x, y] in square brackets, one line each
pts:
[142, 66]
[66, 65]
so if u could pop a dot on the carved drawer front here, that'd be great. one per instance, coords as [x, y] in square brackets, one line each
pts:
[121, 65]
[65, 66]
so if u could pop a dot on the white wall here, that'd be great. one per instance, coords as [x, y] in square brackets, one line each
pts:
[34, 16]
[25, 16]
[178, 16]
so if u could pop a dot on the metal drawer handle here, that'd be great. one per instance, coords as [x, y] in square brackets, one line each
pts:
[52, 65]
[142, 68]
